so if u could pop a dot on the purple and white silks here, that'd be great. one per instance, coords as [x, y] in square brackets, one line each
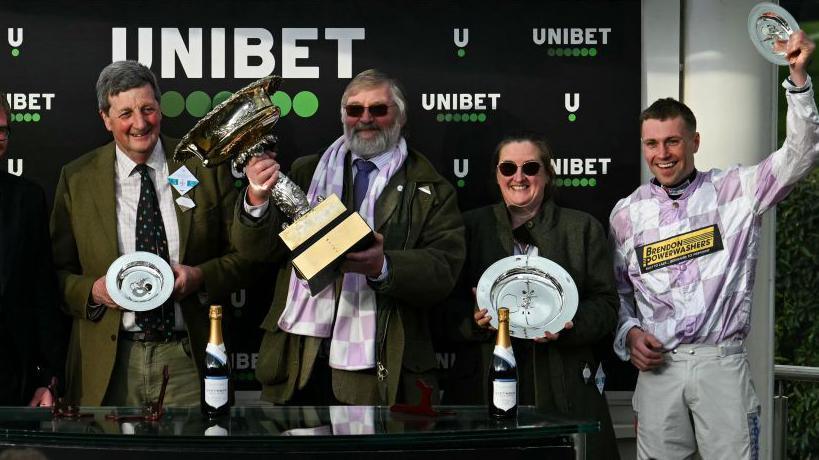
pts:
[352, 324]
[706, 300]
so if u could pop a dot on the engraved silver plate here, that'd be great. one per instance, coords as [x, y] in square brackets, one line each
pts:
[541, 296]
[139, 281]
[769, 26]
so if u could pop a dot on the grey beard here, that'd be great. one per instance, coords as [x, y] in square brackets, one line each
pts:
[383, 141]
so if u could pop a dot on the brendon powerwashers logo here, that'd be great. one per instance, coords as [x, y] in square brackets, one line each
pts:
[15, 39]
[571, 41]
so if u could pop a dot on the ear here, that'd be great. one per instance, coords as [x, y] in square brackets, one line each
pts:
[106, 120]
[696, 142]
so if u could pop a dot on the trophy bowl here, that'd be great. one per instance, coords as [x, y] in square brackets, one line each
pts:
[239, 125]
[139, 281]
[769, 26]
[541, 296]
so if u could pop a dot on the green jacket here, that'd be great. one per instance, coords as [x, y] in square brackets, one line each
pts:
[423, 240]
[84, 236]
[577, 242]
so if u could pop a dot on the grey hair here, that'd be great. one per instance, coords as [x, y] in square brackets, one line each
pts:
[4, 105]
[121, 76]
[374, 78]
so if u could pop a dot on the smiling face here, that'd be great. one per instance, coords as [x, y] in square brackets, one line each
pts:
[520, 190]
[368, 135]
[134, 118]
[669, 148]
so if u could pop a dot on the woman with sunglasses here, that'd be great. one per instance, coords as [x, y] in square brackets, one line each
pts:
[555, 371]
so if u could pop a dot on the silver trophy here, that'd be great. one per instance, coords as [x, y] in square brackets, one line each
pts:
[540, 294]
[770, 26]
[240, 128]
[139, 281]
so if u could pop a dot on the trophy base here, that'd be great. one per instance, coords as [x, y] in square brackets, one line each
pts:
[320, 239]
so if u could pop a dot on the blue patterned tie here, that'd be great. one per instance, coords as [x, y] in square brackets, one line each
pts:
[150, 237]
[362, 181]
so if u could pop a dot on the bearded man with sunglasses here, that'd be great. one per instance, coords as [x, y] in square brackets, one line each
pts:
[376, 339]
[555, 371]
[685, 251]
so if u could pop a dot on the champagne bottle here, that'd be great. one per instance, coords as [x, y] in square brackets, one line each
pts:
[217, 387]
[503, 373]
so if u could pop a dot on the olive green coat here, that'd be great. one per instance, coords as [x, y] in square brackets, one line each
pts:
[577, 242]
[424, 243]
[84, 236]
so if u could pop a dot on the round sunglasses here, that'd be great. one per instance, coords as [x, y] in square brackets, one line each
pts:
[378, 110]
[509, 168]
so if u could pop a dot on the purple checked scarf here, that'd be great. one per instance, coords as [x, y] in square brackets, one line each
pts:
[352, 325]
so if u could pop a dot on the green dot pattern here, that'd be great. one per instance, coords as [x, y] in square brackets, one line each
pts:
[221, 97]
[15, 52]
[461, 52]
[571, 52]
[466, 117]
[572, 117]
[198, 103]
[576, 182]
[461, 183]
[282, 100]
[25, 117]
[172, 104]
[305, 104]
[238, 183]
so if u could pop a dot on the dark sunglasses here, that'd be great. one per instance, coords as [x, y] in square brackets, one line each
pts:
[508, 168]
[378, 110]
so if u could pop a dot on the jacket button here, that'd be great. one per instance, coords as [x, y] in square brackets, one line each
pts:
[530, 224]
[113, 337]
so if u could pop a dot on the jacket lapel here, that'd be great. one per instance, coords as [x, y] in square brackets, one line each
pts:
[103, 194]
[390, 197]
[504, 228]
[183, 218]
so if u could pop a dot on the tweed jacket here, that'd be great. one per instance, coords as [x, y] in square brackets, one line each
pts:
[84, 235]
[575, 241]
[423, 240]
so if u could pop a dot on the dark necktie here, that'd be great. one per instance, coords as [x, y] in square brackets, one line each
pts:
[150, 237]
[362, 181]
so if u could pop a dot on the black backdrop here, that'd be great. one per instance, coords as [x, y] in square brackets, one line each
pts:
[569, 70]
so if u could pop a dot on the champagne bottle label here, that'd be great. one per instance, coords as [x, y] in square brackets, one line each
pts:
[505, 354]
[216, 391]
[217, 351]
[504, 393]
[216, 387]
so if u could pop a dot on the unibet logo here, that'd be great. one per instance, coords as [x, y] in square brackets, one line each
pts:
[198, 103]
[15, 39]
[564, 41]
[572, 103]
[579, 167]
[15, 166]
[461, 38]
[461, 169]
[477, 103]
[27, 106]
[251, 51]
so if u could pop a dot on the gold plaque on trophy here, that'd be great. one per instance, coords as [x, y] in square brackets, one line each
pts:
[319, 240]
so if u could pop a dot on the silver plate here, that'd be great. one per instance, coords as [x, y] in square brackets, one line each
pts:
[540, 294]
[139, 281]
[769, 26]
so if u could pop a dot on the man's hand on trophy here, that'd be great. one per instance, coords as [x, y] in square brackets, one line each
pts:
[262, 173]
[369, 261]
[799, 51]
[99, 294]
[186, 280]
